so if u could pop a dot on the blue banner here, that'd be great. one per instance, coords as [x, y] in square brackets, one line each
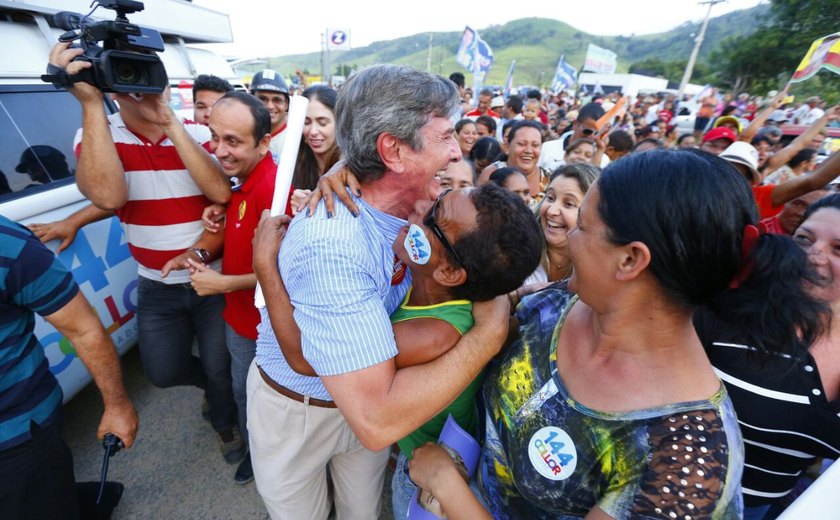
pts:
[564, 77]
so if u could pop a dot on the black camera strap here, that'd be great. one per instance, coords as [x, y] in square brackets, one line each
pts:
[57, 76]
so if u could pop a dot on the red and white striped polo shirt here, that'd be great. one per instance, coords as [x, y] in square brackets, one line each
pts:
[162, 217]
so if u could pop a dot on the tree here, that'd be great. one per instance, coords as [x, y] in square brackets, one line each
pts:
[766, 59]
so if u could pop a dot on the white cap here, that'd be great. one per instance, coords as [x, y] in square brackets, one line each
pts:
[742, 153]
[497, 102]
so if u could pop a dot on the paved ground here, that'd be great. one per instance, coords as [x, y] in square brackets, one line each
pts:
[175, 470]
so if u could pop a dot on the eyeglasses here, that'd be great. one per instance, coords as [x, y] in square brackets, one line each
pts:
[587, 131]
[430, 222]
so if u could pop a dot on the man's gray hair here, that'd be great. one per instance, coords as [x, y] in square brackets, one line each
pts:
[395, 99]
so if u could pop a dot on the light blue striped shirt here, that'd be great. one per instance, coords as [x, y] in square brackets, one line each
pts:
[338, 274]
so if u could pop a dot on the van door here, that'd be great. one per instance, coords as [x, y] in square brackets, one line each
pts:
[37, 184]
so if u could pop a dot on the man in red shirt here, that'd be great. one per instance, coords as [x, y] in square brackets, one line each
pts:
[485, 97]
[786, 222]
[241, 134]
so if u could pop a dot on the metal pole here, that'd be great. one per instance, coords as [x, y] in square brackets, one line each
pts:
[429, 57]
[327, 65]
[323, 50]
[689, 67]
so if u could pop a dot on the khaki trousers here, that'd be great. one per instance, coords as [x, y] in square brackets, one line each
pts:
[291, 446]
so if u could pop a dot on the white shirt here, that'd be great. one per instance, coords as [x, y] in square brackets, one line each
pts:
[813, 115]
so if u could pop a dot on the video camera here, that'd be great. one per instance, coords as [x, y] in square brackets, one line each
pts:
[126, 61]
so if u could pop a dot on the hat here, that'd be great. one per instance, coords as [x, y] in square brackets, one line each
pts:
[773, 132]
[742, 153]
[664, 115]
[778, 116]
[40, 154]
[497, 102]
[813, 99]
[728, 119]
[720, 132]
[268, 79]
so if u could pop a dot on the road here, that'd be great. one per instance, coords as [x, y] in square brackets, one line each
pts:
[175, 470]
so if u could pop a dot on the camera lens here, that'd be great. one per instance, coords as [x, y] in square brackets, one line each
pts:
[128, 73]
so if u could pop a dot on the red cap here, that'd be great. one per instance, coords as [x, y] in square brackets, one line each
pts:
[720, 132]
[665, 115]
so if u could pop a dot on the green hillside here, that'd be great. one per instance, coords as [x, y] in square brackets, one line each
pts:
[535, 43]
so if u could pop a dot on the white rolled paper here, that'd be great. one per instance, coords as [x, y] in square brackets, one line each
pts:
[286, 168]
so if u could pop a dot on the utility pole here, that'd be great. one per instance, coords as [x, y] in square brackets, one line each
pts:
[689, 67]
[323, 51]
[325, 77]
[429, 57]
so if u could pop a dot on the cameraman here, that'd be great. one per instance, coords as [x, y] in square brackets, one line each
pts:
[152, 171]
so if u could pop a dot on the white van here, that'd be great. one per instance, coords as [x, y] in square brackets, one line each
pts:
[37, 163]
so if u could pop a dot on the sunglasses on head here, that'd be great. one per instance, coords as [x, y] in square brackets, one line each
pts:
[430, 222]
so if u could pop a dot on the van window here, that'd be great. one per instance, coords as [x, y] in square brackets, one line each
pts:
[38, 124]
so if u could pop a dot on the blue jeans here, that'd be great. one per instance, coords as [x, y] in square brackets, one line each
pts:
[169, 317]
[402, 488]
[242, 352]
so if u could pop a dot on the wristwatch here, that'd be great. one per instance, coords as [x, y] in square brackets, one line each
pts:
[202, 254]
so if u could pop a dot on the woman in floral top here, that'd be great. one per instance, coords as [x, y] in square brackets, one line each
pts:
[606, 406]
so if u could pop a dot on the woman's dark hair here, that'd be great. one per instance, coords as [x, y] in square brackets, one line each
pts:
[647, 131]
[761, 138]
[574, 145]
[503, 248]
[728, 110]
[307, 172]
[690, 208]
[683, 137]
[462, 123]
[657, 143]
[772, 310]
[802, 156]
[500, 176]
[485, 149]
[509, 124]
[584, 173]
[525, 124]
[487, 121]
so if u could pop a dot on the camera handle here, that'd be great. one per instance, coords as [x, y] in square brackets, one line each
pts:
[112, 445]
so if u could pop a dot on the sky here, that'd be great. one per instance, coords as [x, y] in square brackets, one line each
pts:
[281, 28]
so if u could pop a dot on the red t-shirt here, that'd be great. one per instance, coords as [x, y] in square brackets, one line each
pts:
[475, 113]
[771, 226]
[764, 200]
[243, 214]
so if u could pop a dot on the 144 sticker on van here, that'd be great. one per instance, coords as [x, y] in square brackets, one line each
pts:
[553, 453]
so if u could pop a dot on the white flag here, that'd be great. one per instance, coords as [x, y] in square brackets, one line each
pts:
[338, 39]
[599, 60]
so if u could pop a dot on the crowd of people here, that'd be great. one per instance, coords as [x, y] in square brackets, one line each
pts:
[632, 321]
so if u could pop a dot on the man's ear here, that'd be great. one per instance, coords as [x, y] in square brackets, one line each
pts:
[263, 144]
[390, 150]
[633, 260]
[449, 275]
